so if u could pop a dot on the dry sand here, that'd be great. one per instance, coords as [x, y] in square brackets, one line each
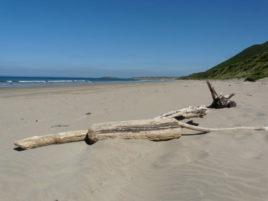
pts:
[216, 166]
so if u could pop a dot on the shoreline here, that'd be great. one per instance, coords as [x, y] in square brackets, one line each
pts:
[264, 80]
[69, 88]
[10, 82]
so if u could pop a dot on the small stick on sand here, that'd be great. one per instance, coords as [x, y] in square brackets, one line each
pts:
[203, 129]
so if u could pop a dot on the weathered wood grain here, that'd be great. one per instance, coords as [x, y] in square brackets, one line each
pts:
[185, 113]
[59, 138]
[203, 129]
[151, 129]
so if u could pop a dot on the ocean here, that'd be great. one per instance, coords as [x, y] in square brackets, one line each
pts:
[13, 81]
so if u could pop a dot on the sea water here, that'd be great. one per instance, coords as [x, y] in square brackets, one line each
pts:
[13, 81]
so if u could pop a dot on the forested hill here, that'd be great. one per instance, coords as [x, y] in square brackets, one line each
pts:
[251, 64]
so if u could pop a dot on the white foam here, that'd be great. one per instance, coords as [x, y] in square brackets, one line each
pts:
[57, 81]
[32, 81]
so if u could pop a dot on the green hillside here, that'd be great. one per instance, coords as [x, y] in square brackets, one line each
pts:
[251, 63]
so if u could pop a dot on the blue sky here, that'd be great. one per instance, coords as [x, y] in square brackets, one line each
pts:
[125, 38]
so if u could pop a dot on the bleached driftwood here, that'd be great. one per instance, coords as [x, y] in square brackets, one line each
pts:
[59, 138]
[203, 129]
[185, 113]
[220, 101]
[151, 129]
[164, 127]
[154, 130]
[74, 136]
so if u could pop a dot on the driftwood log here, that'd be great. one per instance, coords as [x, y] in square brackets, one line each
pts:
[59, 138]
[164, 127]
[151, 129]
[147, 129]
[155, 130]
[220, 101]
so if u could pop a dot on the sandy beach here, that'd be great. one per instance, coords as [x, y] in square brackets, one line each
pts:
[215, 166]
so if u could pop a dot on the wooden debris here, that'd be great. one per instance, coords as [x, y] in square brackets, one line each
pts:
[154, 130]
[185, 113]
[206, 130]
[164, 127]
[151, 129]
[59, 138]
[220, 101]
[73, 136]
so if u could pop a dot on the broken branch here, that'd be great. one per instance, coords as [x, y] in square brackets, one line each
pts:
[203, 129]
[59, 138]
[185, 113]
[220, 101]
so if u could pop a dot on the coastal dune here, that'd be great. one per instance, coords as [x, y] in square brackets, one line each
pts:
[215, 166]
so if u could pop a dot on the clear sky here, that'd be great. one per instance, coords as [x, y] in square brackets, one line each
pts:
[93, 38]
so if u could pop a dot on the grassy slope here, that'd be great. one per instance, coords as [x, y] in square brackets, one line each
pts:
[251, 62]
